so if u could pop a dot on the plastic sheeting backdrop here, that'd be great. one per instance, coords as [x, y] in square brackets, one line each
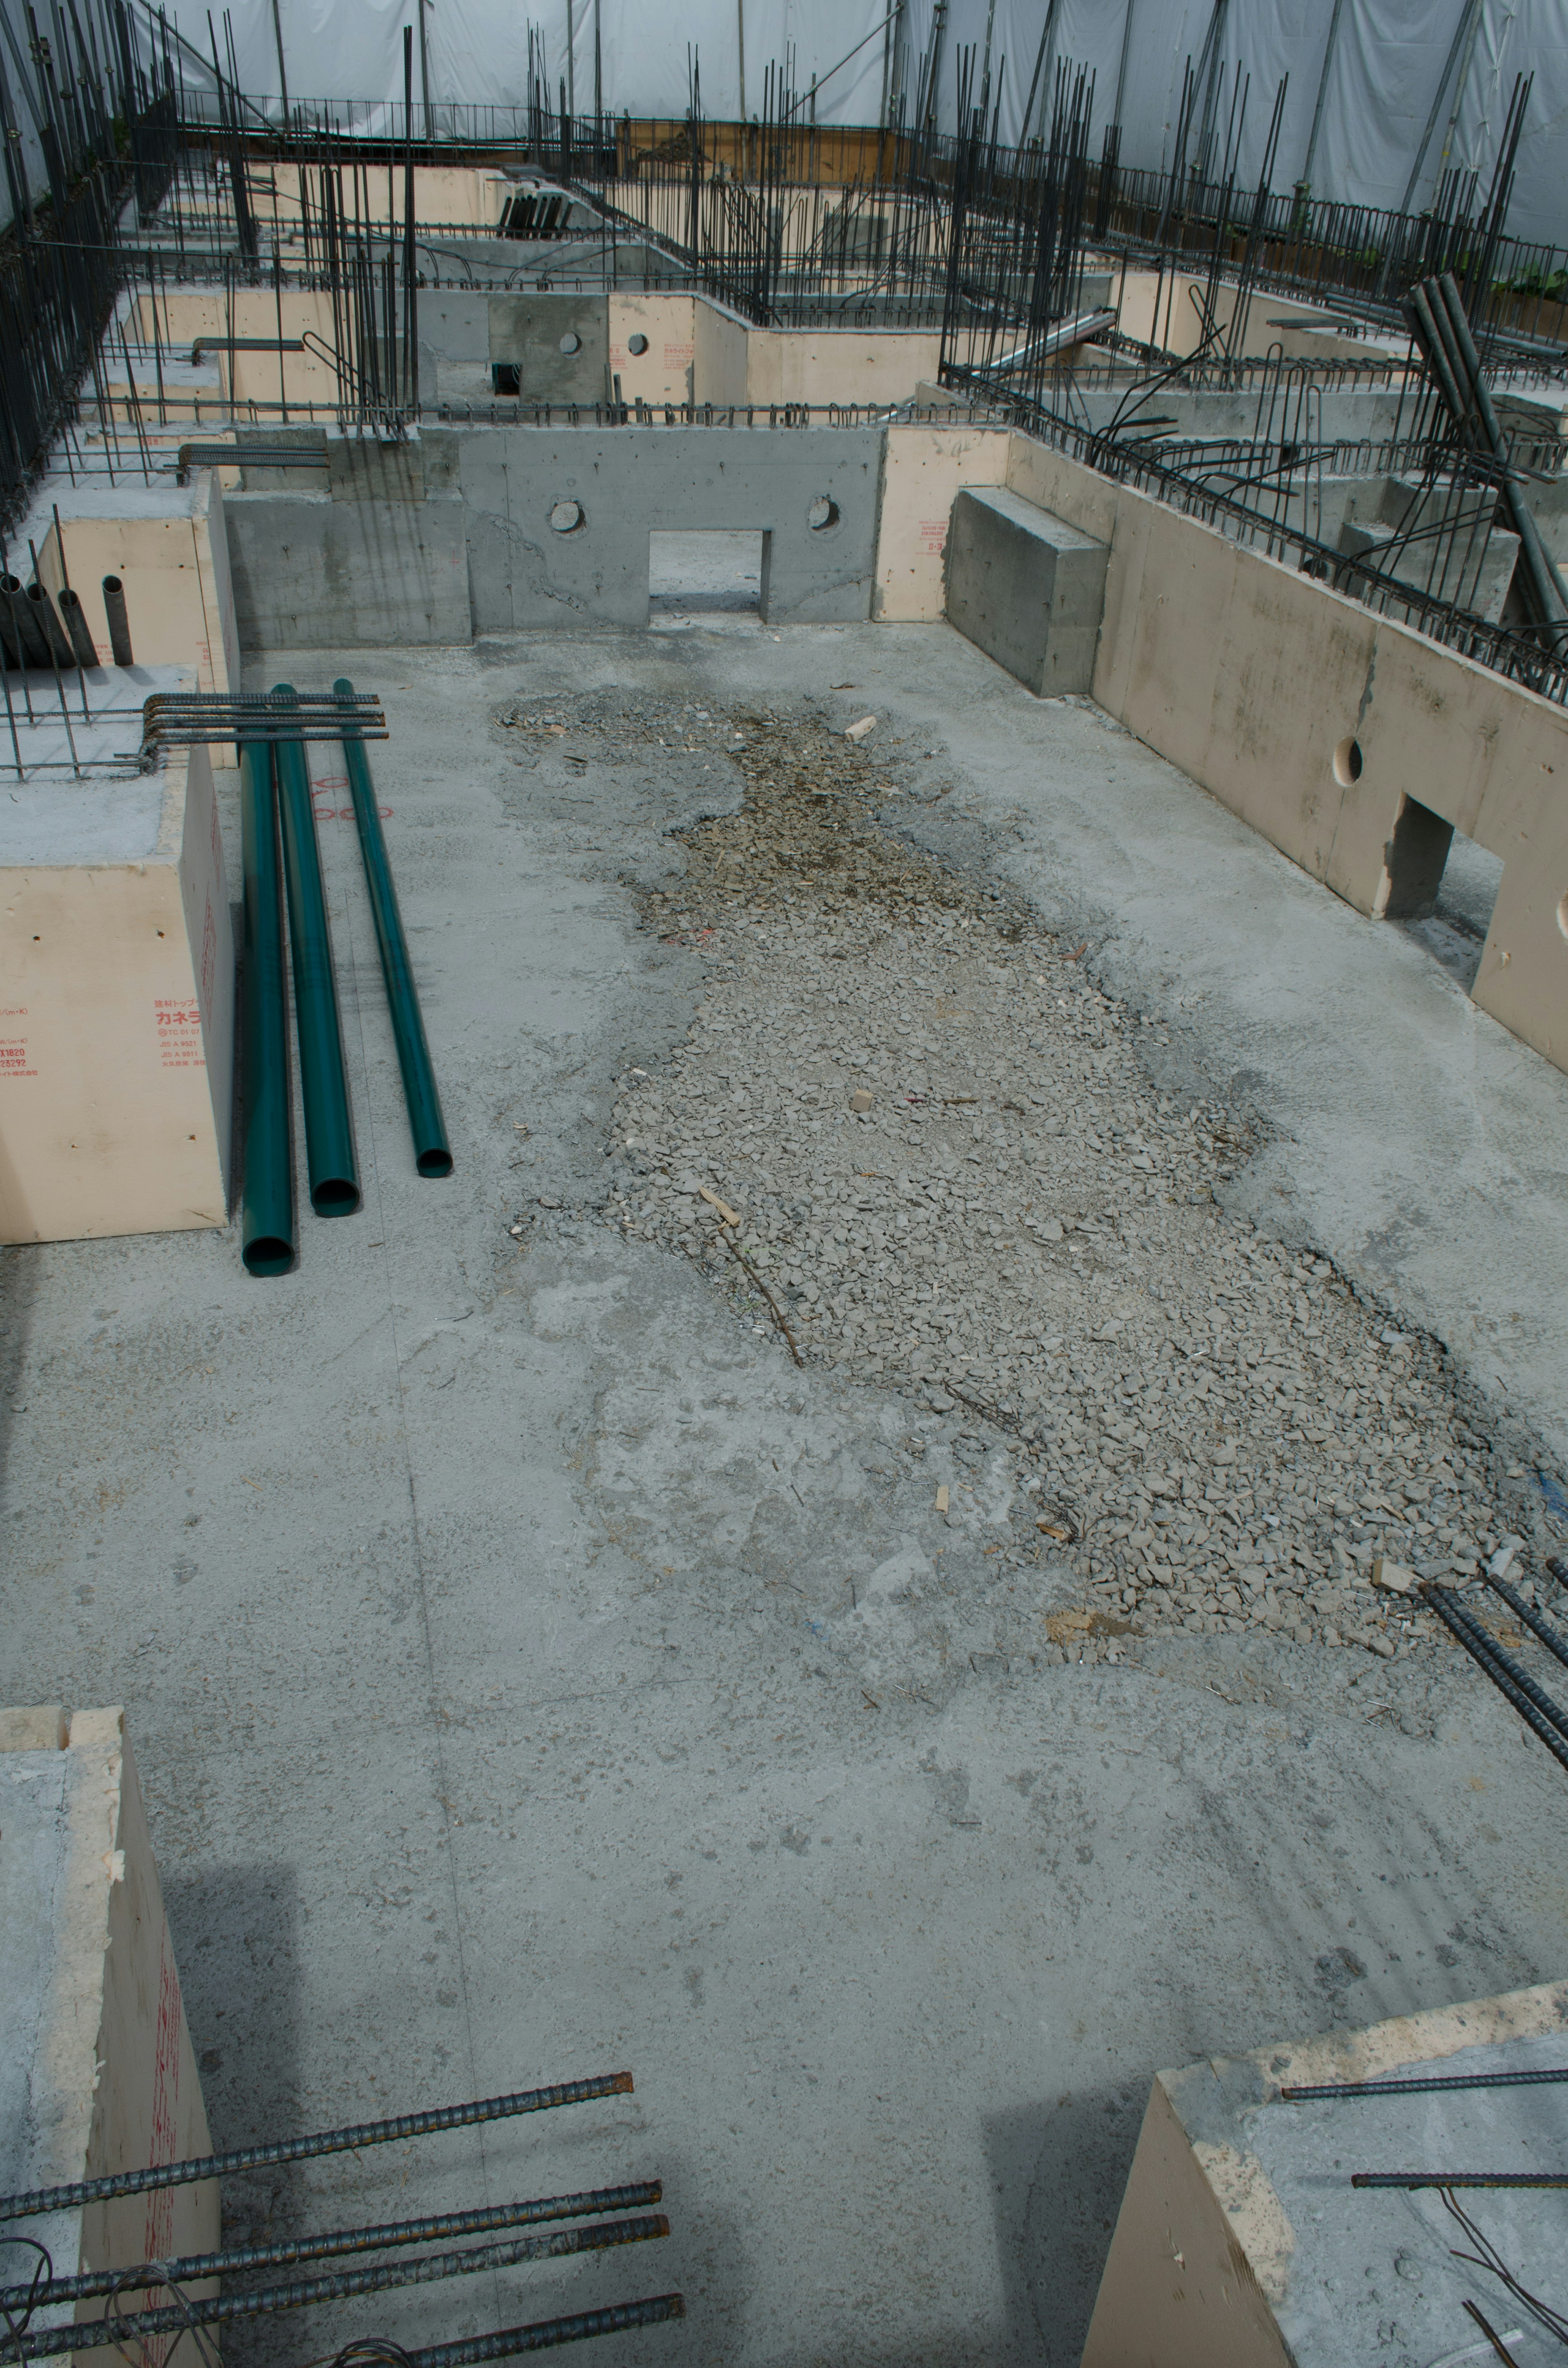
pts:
[1388, 58]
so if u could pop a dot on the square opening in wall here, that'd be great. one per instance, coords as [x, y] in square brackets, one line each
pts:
[709, 573]
[1455, 929]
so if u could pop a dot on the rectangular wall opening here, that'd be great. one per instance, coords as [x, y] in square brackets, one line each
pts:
[1454, 929]
[706, 574]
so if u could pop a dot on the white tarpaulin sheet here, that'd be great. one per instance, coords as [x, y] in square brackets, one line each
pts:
[1382, 76]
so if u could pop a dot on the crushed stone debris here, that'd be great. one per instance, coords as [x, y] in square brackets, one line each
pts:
[935, 1143]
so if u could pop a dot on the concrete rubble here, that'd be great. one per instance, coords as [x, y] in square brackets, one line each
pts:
[955, 1176]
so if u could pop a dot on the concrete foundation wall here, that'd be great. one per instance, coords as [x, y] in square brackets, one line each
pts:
[663, 371]
[310, 572]
[99, 2069]
[1342, 736]
[847, 366]
[559, 344]
[117, 981]
[721, 356]
[170, 551]
[629, 483]
[923, 469]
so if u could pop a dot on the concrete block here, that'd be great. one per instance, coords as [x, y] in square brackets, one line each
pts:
[1026, 588]
[97, 2069]
[166, 545]
[624, 483]
[1241, 2242]
[558, 345]
[313, 572]
[117, 1005]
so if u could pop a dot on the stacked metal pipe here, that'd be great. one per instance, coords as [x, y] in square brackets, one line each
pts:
[278, 813]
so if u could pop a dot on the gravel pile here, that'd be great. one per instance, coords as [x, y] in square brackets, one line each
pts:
[934, 1160]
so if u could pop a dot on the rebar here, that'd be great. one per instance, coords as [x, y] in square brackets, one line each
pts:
[1297, 2094]
[304, 2294]
[350, 2138]
[192, 2269]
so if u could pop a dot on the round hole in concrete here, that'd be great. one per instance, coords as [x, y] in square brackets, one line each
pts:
[1347, 762]
[637, 343]
[567, 516]
[823, 513]
[1562, 913]
[571, 343]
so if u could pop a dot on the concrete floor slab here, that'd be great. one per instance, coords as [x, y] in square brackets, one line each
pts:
[488, 1726]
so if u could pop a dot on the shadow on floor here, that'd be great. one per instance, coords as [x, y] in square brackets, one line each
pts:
[1057, 2176]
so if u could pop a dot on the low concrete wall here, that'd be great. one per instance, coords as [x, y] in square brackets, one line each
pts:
[559, 344]
[97, 2061]
[721, 356]
[117, 984]
[662, 371]
[629, 483]
[923, 469]
[170, 551]
[876, 366]
[1341, 735]
[314, 573]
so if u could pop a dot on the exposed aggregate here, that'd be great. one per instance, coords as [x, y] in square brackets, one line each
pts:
[1208, 1428]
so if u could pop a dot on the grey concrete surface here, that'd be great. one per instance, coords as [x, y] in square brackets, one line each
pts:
[1026, 588]
[477, 1597]
[1335, 2309]
[314, 572]
[558, 345]
[632, 482]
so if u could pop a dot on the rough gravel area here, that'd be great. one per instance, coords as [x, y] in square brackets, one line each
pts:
[909, 1131]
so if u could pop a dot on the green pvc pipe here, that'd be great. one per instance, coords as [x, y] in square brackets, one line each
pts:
[267, 1212]
[432, 1153]
[324, 1086]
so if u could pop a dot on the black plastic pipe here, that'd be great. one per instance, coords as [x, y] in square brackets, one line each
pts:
[51, 631]
[323, 1085]
[119, 622]
[25, 628]
[75, 619]
[432, 1153]
[266, 1240]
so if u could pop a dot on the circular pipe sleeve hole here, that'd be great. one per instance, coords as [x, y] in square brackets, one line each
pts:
[1562, 913]
[566, 517]
[434, 1162]
[571, 343]
[1347, 762]
[637, 343]
[823, 513]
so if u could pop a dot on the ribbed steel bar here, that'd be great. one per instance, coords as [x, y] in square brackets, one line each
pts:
[432, 1152]
[1544, 2178]
[1299, 2095]
[547, 2332]
[349, 2139]
[1552, 1638]
[191, 2268]
[303, 2293]
[1498, 1667]
[1514, 1670]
